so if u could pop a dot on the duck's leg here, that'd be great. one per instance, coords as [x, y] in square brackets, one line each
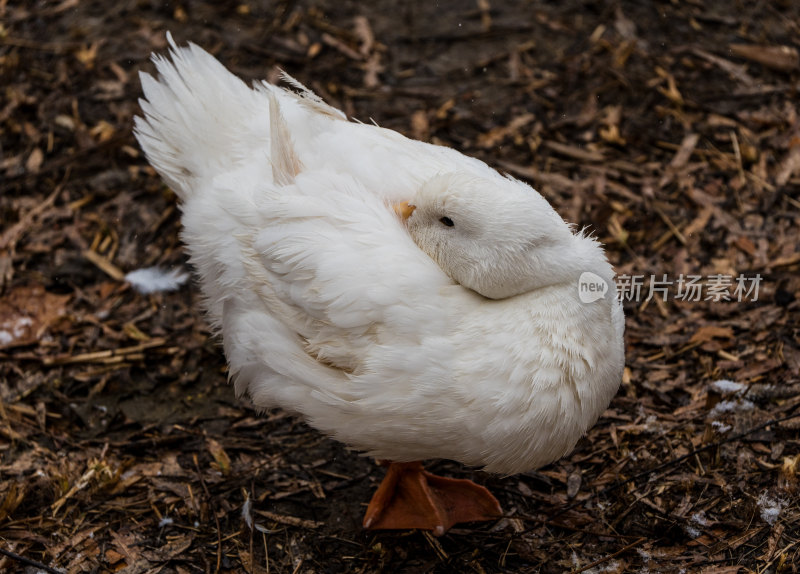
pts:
[411, 497]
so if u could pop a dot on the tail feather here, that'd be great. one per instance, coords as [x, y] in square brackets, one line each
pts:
[198, 117]
[285, 163]
[309, 99]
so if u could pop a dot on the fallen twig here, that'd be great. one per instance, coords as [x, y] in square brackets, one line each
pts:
[29, 562]
[109, 355]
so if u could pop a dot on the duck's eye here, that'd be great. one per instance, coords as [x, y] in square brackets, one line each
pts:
[447, 221]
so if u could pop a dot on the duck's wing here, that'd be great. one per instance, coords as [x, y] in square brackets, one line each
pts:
[305, 268]
[336, 279]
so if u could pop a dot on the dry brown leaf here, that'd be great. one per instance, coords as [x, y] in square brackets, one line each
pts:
[735, 70]
[314, 50]
[699, 223]
[372, 67]
[671, 92]
[445, 108]
[35, 160]
[575, 151]
[289, 520]
[87, 55]
[753, 370]
[250, 564]
[709, 332]
[65, 5]
[745, 245]
[781, 58]
[624, 25]
[171, 549]
[681, 157]
[103, 131]
[180, 14]
[498, 134]
[789, 166]
[13, 497]
[486, 14]
[26, 312]
[112, 556]
[341, 46]
[364, 32]
[221, 460]
[420, 127]
[785, 261]
[611, 119]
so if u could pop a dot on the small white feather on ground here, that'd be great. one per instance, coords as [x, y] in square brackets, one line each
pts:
[11, 330]
[770, 507]
[725, 386]
[154, 279]
[720, 427]
[724, 407]
[247, 512]
[697, 521]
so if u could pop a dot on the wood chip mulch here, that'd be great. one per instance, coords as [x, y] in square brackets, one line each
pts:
[670, 129]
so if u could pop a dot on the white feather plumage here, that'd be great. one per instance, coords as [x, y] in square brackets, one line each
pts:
[327, 306]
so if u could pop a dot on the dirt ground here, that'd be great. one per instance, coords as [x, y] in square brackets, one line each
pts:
[670, 128]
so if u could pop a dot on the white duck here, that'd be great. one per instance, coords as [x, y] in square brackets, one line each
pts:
[454, 330]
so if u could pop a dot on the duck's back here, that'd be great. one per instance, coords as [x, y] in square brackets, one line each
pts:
[201, 121]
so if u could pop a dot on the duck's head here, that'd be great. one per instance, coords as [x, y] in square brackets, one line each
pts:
[498, 236]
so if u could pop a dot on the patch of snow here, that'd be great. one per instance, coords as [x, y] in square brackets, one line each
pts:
[14, 330]
[721, 428]
[723, 407]
[770, 508]
[652, 425]
[154, 279]
[725, 386]
[697, 519]
[646, 558]
[166, 521]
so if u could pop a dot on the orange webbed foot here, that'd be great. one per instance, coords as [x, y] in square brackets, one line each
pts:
[411, 497]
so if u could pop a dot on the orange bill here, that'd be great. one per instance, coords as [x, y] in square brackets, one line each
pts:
[404, 210]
